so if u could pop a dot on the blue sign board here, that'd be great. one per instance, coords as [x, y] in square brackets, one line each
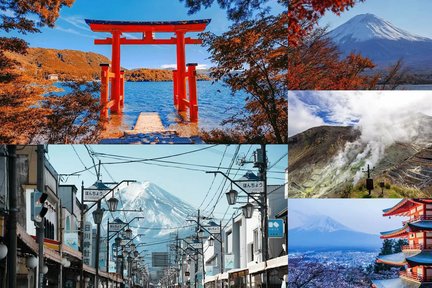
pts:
[276, 228]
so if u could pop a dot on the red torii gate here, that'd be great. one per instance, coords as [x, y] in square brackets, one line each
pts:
[116, 75]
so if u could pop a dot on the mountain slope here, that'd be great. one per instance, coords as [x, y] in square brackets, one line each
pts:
[382, 42]
[319, 232]
[327, 161]
[80, 65]
[159, 209]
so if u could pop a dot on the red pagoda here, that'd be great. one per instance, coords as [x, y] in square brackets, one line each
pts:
[416, 257]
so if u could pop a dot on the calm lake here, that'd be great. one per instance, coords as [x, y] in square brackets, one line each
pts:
[215, 103]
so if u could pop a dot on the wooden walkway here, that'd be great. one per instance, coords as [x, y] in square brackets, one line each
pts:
[147, 122]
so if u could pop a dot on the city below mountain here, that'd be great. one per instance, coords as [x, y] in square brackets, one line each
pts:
[383, 43]
[68, 65]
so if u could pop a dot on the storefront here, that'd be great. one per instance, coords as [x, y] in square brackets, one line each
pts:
[237, 278]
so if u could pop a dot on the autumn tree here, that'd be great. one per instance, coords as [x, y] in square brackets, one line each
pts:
[316, 64]
[237, 10]
[26, 114]
[251, 57]
[304, 15]
[74, 117]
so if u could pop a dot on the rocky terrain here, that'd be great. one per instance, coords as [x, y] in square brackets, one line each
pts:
[326, 161]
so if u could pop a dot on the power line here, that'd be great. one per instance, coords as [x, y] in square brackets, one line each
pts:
[214, 178]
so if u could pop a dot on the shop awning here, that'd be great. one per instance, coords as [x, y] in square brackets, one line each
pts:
[277, 262]
[255, 268]
[209, 279]
[89, 269]
[26, 238]
[72, 252]
[223, 276]
[240, 272]
[31, 243]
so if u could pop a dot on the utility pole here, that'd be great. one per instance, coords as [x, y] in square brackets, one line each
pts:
[262, 165]
[12, 221]
[40, 229]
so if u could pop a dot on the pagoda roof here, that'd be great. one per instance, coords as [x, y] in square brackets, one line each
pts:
[402, 208]
[422, 258]
[399, 232]
[141, 26]
[421, 225]
[397, 259]
[396, 282]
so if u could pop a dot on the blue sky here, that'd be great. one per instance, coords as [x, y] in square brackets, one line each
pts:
[71, 32]
[191, 186]
[370, 110]
[364, 215]
[410, 15]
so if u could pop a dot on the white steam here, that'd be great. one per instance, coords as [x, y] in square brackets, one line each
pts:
[382, 117]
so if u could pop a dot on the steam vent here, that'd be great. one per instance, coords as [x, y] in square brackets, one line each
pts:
[415, 259]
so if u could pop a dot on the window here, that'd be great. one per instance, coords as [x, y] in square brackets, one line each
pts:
[256, 240]
[68, 228]
[229, 242]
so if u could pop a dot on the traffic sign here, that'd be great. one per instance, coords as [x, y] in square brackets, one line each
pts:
[196, 245]
[276, 228]
[114, 227]
[213, 229]
[94, 195]
[251, 186]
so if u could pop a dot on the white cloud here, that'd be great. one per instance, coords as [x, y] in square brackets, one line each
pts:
[73, 31]
[301, 116]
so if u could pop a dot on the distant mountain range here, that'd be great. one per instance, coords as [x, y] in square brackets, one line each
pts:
[383, 42]
[324, 161]
[74, 65]
[319, 232]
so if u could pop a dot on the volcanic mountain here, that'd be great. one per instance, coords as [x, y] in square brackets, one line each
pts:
[382, 42]
[327, 161]
[320, 232]
[163, 216]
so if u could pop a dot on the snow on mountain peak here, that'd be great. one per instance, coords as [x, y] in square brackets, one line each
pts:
[302, 222]
[365, 27]
[159, 208]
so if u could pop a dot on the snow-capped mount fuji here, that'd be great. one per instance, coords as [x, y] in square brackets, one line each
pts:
[365, 27]
[162, 211]
[320, 232]
[382, 42]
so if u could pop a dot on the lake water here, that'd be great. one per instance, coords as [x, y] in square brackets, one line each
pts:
[215, 102]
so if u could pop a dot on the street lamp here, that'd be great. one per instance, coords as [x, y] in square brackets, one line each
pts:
[132, 247]
[97, 216]
[3, 251]
[128, 233]
[112, 204]
[211, 241]
[200, 232]
[232, 196]
[248, 210]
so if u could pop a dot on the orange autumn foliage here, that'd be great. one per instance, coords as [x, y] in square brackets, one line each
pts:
[316, 65]
[304, 14]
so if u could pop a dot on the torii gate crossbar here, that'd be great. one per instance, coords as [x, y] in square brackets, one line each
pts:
[115, 103]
